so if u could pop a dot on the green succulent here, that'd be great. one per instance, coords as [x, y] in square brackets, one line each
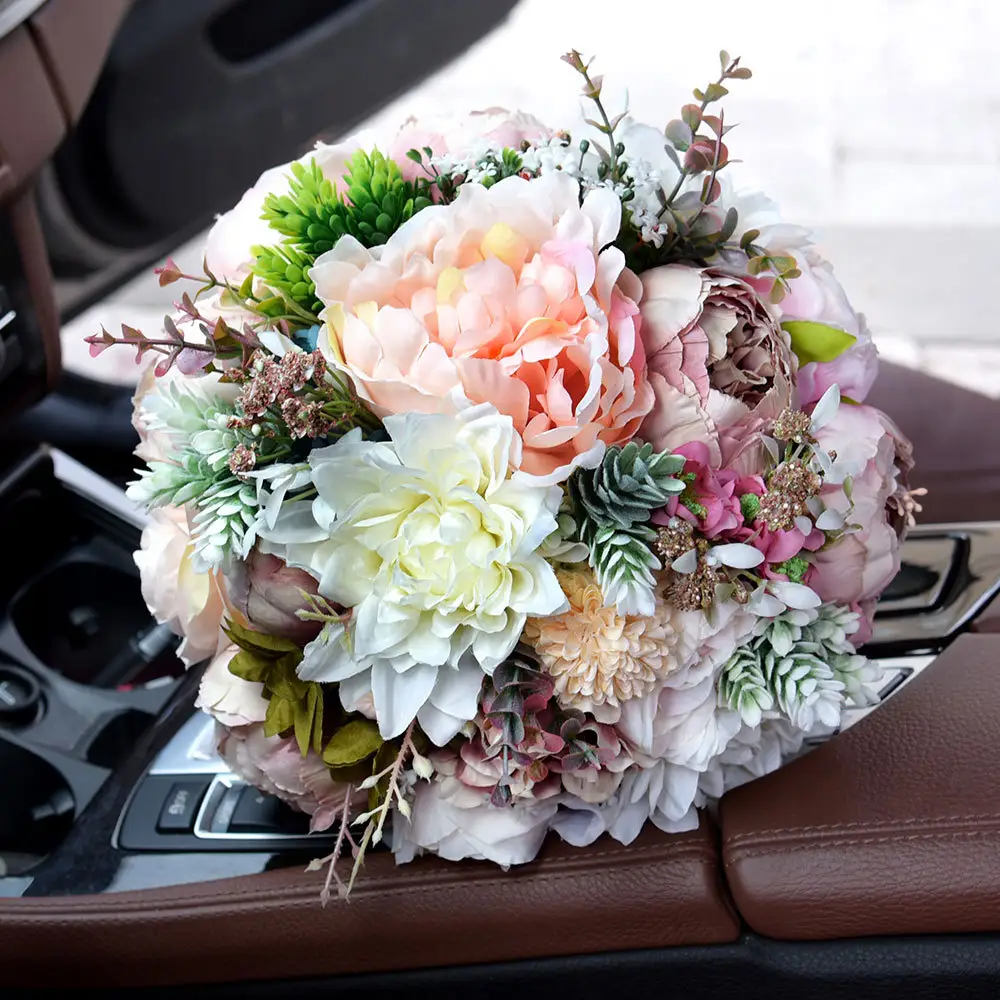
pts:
[285, 269]
[629, 483]
[377, 200]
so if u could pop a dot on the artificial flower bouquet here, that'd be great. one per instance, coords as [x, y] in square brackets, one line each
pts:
[515, 482]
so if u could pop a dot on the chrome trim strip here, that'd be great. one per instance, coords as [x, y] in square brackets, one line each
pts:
[215, 797]
[89, 485]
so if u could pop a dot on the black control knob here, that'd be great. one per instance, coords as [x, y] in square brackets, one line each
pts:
[20, 696]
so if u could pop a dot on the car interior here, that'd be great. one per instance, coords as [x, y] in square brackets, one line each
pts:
[130, 857]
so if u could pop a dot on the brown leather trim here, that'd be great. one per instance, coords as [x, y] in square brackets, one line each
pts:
[661, 891]
[27, 232]
[73, 39]
[31, 122]
[892, 827]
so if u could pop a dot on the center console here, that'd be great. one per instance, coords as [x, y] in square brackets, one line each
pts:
[106, 768]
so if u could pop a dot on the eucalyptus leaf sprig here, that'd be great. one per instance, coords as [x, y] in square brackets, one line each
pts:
[612, 167]
[702, 152]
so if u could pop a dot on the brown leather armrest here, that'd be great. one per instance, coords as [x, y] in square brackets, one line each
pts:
[660, 891]
[892, 827]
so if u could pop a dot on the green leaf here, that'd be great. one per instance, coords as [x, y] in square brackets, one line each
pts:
[271, 646]
[816, 341]
[280, 717]
[309, 721]
[351, 743]
[352, 773]
[249, 666]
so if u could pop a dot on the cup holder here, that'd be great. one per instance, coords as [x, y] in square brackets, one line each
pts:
[79, 617]
[36, 809]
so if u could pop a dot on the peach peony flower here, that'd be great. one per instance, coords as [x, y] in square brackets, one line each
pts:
[504, 296]
[191, 603]
[597, 658]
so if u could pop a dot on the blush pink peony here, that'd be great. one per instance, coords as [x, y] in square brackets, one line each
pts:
[720, 367]
[191, 603]
[509, 295]
[275, 765]
[268, 593]
[876, 457]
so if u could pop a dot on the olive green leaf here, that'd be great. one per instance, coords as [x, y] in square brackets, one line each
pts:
[293, 704]
[816, 341]
[249, 666]
[259, 642]
[352, 743]
[309, 720]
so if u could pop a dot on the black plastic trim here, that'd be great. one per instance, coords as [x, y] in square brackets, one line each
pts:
[914, 968]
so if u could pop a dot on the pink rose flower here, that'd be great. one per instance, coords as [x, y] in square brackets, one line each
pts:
[504, 296]
[714, 490]
[192, 604]
[816, 295]
[268, 593]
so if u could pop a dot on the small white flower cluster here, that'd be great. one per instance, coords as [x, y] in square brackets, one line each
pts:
[558, 154]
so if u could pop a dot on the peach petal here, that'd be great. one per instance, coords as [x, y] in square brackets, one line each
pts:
[485, 381]
[576, 257]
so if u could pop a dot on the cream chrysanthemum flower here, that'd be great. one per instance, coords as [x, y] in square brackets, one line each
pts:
[431, 542]
[597, 657]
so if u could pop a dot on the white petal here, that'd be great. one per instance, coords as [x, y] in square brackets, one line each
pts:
[328, 658]
[439, 727]
[457, 692]
[804, 525]
[686, 563]
[766, 606]
[830, 520]
[795, 595]
[826, 408]
[738, 556]
[398, 697]
[772, 447]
